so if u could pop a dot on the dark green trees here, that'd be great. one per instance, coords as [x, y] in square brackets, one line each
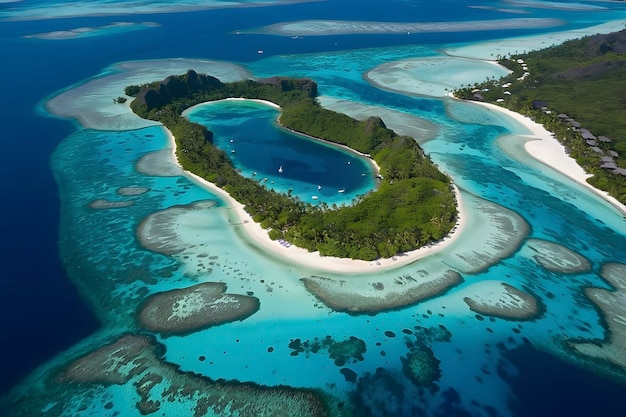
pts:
[413, 206]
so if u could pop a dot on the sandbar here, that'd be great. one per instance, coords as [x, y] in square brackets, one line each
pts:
[313, 260]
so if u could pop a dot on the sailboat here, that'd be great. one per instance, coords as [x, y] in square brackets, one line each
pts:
[280, 169]
[319, 187]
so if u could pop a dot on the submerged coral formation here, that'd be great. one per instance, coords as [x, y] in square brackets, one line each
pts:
[351, 349]
[137, 360]
[103, 204]
[164, 231]
[158, 164]
[499, 299]
[555, 257]
[421, 366]
[370, 296]
[132, 191]
[502, 232]
[193, 308]
[613, 305]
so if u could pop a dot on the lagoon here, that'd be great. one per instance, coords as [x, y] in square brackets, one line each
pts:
[314, 171]
[479, 364]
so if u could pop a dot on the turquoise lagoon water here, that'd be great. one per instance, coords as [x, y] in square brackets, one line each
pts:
[248, 132]
[487, 366]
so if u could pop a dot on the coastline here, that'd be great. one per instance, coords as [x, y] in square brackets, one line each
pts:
[277, 107]
[545, 148]
[313, 260]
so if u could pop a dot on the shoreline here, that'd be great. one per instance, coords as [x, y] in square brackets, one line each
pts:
[295, 132]
[545, 148]
[313, 260]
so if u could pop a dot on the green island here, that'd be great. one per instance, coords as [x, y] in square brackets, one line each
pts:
[413, 205]
[575, 90]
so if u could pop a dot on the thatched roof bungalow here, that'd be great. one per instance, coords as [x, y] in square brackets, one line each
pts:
[586, 134]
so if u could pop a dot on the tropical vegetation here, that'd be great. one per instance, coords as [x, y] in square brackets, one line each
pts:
[580, 80]
[413, 205]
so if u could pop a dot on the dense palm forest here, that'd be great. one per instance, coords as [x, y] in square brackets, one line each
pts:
[413, 205]
[577, 91]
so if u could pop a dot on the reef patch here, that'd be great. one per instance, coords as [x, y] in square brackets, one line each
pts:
[613, 305]
[132, 191]
[499, 299]
[165, 231]
[190, 309]
[555, 257]
[421, 366]
[499, 234]
[358, 295]
[158, 164]
[103, 204]
[137, 360]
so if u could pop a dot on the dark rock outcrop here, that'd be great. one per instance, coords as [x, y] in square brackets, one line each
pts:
[602, 44]
[595, 70]
[290, 84]
[176, 86]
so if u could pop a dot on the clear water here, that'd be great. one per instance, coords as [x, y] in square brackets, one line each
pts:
[73, 276]
[248, 132]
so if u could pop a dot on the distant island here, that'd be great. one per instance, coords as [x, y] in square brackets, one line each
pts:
[575, 90]
[414, 204]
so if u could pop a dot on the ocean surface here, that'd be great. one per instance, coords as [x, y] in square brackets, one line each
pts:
[78, 264]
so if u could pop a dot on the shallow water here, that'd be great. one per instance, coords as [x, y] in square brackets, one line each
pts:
[103, 257]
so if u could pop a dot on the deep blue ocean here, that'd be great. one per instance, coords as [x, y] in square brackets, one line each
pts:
[43, 313]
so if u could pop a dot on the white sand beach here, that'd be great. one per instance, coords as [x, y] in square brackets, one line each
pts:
[545, 148]
[313, 260]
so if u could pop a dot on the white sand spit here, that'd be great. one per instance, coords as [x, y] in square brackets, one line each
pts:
[544, 147]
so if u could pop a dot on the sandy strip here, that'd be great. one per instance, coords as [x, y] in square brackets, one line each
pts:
[545, 148]
[488, 50]
[313, 260]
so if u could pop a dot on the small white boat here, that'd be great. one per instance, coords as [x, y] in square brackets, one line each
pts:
[232, 140]
[260, 51]
[280, 169]
[319, 187]
[232, 151]
[314, 197]
[341, 190]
